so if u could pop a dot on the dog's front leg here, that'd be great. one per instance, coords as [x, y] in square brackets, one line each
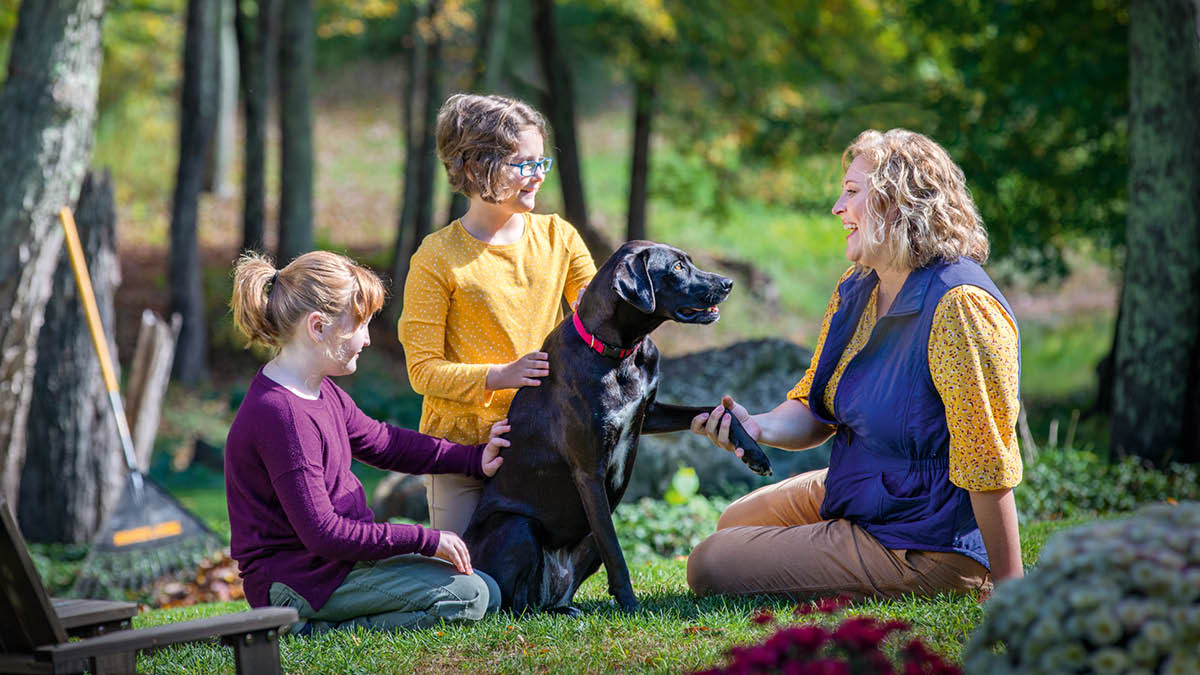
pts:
[663, 417]
[599, 515]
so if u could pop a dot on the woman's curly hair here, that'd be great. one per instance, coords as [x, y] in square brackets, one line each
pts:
[919, 209]
[476, 134]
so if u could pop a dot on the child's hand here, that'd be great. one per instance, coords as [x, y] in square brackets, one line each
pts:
[519, 373]
[491, 452]
[453, 549]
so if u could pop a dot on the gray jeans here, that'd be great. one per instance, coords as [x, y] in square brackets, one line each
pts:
[407, 591]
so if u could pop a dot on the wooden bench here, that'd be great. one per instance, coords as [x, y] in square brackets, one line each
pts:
[34, 630]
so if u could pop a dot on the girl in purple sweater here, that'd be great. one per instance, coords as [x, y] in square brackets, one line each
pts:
[299, 524]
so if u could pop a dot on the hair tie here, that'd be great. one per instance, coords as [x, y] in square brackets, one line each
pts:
[274, 277]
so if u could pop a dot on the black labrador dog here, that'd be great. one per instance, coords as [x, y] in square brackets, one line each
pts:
[544, 522]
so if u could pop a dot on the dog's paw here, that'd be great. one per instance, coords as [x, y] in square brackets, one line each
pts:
[626, 601]
[752, 453]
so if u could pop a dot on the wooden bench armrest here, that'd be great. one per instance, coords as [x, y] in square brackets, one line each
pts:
[226, 626]
[75, 614]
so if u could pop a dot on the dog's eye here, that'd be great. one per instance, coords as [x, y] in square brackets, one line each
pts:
[678, 266]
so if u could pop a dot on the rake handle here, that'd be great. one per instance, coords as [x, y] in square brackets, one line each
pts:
[84, 282]
[88, 296]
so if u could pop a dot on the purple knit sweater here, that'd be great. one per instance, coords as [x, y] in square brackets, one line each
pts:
[297, 514]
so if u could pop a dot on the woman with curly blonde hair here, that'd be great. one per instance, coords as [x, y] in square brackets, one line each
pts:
[915, 377]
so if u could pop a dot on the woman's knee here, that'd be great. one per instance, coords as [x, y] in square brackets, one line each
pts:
[706, 567]
[479, 595]
[740, 512]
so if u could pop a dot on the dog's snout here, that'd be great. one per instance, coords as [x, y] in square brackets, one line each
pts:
[726, 284]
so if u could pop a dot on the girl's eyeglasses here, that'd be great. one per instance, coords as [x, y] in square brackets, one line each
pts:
[531, 167]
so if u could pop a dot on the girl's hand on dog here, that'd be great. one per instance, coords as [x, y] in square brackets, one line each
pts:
[715, 424]
[520, 373]
[491, 452]
[453, 549]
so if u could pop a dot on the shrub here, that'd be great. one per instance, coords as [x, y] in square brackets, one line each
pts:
[671, 527]
[1067, 482]
[1114, 596]
[857, 646]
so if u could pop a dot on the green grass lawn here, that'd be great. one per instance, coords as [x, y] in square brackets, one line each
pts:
[674, 631]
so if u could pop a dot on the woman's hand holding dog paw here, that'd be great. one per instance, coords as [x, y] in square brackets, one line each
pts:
[453, 549]
[715, 424]
[520, 373]
[491, 452]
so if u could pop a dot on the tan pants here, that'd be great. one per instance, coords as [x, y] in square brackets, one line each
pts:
[774, 541]
[452, 499]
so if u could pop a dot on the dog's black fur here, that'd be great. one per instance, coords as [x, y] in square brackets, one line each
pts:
[544, 522]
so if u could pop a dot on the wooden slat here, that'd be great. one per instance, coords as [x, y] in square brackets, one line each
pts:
[263, 619]
[22, 664]
[76, 613]
[27, 619]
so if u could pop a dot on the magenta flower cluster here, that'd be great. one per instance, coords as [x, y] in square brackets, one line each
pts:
[853, 647]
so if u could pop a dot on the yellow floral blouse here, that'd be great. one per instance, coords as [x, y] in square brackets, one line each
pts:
[973, 362]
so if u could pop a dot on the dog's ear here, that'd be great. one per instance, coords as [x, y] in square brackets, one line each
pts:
[631, 281]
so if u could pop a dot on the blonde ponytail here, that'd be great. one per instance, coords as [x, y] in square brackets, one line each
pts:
[268, 304]
[254, 277]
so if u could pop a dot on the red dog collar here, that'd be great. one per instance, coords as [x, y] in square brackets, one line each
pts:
[601, 348]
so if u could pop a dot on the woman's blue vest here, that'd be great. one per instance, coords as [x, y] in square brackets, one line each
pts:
[889, 470]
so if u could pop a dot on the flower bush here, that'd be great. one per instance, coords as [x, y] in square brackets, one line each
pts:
[856, 646]
[1110, 597]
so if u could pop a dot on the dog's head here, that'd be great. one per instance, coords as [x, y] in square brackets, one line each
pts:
[662, 281]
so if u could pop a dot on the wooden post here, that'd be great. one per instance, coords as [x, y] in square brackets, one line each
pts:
[148, 378]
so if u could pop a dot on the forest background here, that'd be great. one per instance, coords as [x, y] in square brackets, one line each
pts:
[713, 126]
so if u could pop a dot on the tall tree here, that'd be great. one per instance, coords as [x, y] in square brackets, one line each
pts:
[432, 100]
[297, 34]
[560, 108]
[197, 119]
[1156, 395]
[406, 238]
[74, 471]
[491, 40]
[254, 40]
[420, 121]
[639, 173]
[47, 109]
[220, 150]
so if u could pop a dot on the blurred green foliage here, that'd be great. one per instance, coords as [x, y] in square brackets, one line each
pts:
[1070, 482]
[1029, 96]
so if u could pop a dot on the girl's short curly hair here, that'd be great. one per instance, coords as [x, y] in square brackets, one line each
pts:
[918, 206]
[476, 134]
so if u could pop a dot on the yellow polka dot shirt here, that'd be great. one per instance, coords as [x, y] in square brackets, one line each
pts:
[469, 305]
[973, 362]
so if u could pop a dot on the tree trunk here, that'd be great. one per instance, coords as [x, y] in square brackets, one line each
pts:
[560, 108]
[409, 106]
[639, 174]
[220, 151]
[197, 116]
[427, 161]
[74, 469]
[47, 108]
[486, 67]
[296, 126]
[1156, 411]
[253, 35]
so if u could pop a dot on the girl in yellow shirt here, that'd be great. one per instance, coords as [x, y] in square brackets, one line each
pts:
[483, 292]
